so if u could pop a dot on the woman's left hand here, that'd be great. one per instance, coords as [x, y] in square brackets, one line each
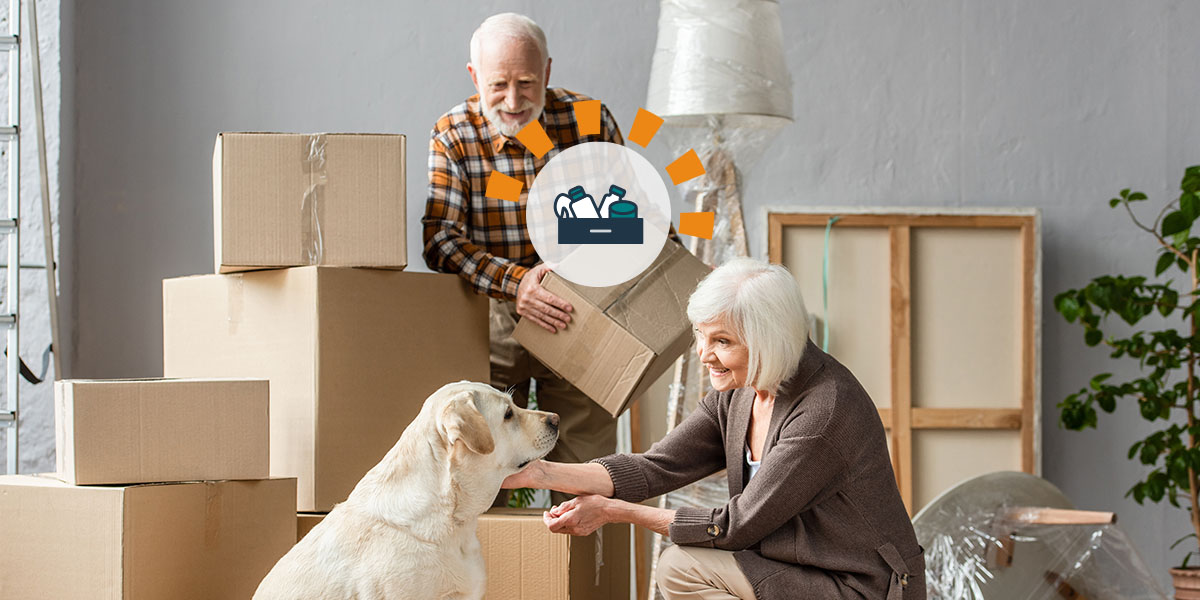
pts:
[578, 516]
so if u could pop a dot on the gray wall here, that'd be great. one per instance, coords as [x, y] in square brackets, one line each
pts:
[974, 103]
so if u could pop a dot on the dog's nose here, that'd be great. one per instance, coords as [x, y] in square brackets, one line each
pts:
[552, 421]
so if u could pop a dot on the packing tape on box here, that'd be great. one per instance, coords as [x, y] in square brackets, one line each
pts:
[212, 513]
[313, 202]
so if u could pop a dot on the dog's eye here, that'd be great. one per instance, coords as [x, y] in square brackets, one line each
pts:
[508, 415]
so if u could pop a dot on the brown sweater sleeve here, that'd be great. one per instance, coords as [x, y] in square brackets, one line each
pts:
[799, 471]
[690, 452]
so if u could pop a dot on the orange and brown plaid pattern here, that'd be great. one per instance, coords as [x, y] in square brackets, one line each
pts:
[484, 239]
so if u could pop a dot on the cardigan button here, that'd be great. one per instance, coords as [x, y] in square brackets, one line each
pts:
[904, 580]
[714, 530]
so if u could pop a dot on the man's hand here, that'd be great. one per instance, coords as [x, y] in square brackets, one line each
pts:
[579, 516]
[538, 305]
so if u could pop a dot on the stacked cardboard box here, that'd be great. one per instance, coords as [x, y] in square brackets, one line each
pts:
[350, 343]
[524, 560]
[188, 510]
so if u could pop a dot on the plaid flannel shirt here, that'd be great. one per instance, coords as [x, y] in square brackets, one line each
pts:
[482, 239]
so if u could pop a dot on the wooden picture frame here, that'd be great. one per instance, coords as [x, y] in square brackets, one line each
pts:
[942, 381]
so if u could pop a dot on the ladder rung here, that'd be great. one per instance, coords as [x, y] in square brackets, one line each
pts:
[9, 132]
[7, 226]
[7, 320]
[9, 42]
[7, 418]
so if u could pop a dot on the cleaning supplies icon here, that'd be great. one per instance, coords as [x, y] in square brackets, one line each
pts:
[581, 221]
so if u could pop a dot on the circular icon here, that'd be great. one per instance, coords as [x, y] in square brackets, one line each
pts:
[598, 213]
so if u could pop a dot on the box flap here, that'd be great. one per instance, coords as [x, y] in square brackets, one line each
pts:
[655, 309]
[594, 353]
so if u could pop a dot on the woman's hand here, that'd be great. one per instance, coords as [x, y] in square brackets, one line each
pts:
[580, 515]
[532, 476]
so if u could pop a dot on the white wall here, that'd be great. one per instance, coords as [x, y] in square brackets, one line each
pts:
[972, 103]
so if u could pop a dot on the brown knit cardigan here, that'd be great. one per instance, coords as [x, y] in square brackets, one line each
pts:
[822, 518]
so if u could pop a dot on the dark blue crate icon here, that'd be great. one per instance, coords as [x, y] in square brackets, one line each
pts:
[600, 231]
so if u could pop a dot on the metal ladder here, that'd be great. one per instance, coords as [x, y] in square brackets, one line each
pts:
[10, 227]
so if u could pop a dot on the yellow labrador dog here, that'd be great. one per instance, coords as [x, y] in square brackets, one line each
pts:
[408, 528]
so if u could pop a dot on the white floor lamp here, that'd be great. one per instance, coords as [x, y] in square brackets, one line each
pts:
[720, 83]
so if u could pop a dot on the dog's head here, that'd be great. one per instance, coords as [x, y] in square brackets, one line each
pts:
[479, 423]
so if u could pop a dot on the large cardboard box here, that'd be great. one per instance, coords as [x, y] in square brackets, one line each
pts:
[156, 430]
[305, 523]
[351, 355]
[524, 560]
[285, 200]
[621, 338]
[180, 541]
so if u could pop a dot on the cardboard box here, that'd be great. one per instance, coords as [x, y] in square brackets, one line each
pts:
[524, 560]
[179, 541]
[621, 338]
[351, 355]
[305, 523]
[156, 430]
[287, 200]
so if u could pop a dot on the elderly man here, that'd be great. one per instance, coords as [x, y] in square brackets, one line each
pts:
[484, 240]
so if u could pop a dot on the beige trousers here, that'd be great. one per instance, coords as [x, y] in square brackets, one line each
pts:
[701, 574]
[585, 430]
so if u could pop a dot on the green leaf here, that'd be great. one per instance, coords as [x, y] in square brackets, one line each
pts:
[1068, 306]
[1191, 180]
[1136, 196]
[1164, 263]
[1114, 202]
[1175, 222]
[1189, 205]
[1093, 337]
[1169, 299]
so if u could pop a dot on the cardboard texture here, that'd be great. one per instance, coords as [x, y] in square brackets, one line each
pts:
[305, 523]
[159, 430]
[351, 355]
[620, 338]
[286, 200]
[524, 560]
[180, 541]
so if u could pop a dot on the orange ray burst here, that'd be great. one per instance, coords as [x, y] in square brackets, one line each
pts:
[503, 187]
[685, 168]
[699, 224]
[645, 125]
[535, 139]
[587, 116]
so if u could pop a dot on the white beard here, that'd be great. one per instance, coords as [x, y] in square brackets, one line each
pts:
[493, 115]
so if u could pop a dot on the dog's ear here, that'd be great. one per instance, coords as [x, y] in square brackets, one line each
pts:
[462, 421]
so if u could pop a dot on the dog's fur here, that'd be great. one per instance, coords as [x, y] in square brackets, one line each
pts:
[408, 528]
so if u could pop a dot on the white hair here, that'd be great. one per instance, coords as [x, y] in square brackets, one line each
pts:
[510, 25]
[763, 305]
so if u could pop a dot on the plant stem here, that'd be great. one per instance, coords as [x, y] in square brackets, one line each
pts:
[1193, 485]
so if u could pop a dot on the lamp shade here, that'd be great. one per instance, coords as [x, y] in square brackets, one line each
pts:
[719, 57]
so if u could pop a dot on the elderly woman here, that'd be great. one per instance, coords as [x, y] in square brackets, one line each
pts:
[814, 511]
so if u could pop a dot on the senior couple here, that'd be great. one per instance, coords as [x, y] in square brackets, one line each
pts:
[814, 511]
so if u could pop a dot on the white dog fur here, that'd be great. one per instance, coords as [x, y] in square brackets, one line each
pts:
[408, 528]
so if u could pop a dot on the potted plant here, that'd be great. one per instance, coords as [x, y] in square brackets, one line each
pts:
[1169, 360]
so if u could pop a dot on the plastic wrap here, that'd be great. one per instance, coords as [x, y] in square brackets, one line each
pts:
[313, 202]
[719, 57]
[983, 540]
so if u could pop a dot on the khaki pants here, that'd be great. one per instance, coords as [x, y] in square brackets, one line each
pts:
[585, 430]
[701, 574]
